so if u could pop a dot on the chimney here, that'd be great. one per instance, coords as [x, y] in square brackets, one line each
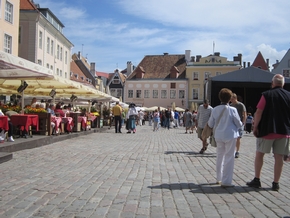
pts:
[129, 68]
[249, 64]
[193, 58]
[79, 55]
[93, 68]
[165, 53]
[244, 64]
[217, 54]
[187, 55]
[267, 60]
[198, 57]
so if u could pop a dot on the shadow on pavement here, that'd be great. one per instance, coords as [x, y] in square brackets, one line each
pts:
[206, 188]
[196, 154]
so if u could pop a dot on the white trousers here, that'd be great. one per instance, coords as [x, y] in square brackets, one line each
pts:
[225, 159]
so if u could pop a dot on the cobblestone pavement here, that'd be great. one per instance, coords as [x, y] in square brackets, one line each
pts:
[147, 174]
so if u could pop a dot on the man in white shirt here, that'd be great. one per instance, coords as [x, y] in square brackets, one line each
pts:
[203, 114]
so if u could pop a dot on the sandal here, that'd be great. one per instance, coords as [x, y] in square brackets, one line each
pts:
[202, 151]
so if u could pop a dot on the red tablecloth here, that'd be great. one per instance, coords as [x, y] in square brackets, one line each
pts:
[68, 123]
[83, 121]
[92, 117]
[4, 123]
[56, 120]
[24, 121]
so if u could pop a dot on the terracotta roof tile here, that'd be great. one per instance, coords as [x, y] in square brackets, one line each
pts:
[27, 5]
[260, 62]
[159, 66]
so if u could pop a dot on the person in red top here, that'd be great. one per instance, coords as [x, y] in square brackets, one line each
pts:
[59, 111]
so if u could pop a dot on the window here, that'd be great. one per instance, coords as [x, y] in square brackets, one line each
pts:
[116, 81]
[119, 92]
[195, 75]
[39, 61]
[57, 71]
[8, 43]
[40, 40]
[65, 75]
[82, 78]
[146, 93]
[218, 73]
[163, 93]
[130, 93]
[286, 73]
[65, 57]
[57, 52]
[181, 94]
[48, 45]
[47, 66]
[51, 48]
[155, 93]
[195, 93]
[9, 12]
[60, 55]
[76, 76]
[60, 72]
[206, 75]
[51, 67]
[138, 93]
[172, 94]
[173, 85]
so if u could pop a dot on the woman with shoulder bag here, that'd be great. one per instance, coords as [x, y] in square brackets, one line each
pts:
[225, 122]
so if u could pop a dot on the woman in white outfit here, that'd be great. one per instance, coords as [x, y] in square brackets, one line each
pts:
[225, 134]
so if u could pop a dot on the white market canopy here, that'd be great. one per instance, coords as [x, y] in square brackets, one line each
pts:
[40, 80]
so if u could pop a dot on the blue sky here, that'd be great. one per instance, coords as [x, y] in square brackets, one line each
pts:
[112, 32]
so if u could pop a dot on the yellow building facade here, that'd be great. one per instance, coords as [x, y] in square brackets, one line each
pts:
[9, 26]
[200, 69]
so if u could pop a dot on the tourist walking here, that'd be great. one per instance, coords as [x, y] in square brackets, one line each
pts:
[225, 122]
[243, 116]
[203, 114]
[117, 113]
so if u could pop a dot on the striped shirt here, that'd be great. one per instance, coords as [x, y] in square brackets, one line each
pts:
[203, 115]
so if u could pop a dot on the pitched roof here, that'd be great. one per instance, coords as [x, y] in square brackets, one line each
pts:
[260, 62]
[27, 5]
[283, 64]
[102, 74]
[159, 66]
[249, 74]
[121, 76]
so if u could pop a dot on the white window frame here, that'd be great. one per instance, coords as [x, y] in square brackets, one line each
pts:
[181, 94]
[195, 75]
[146, 93]
[206, 75]
[9, 12]
[155, 94]
[57, 52]
[116, 81]
[138, 93]
[60, 54]
[164, 93]
[172, 94]
[8, 43]
[47, 45]
[40, 39]
[195, 93]
[130, 93]
[65, 57]
[52, 47]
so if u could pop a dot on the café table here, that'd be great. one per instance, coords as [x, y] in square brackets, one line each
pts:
[24, 121]
[4, 123]
[83, 121]
[68, 123]
[57, 121]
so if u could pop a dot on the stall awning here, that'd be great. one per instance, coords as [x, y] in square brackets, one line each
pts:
[40, 80]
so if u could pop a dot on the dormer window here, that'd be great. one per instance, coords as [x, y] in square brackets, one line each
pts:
[116, 81]
[82, 78]
[76, 76]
